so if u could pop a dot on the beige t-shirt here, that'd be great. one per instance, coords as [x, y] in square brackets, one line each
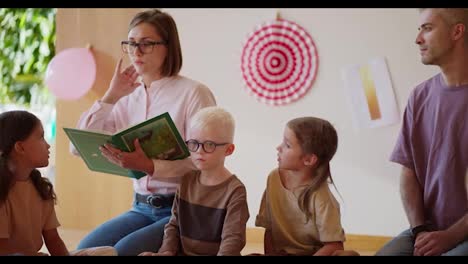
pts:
[23, 217]
[280, 213]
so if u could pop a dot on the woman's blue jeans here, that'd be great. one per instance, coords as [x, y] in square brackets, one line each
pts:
[138, 230]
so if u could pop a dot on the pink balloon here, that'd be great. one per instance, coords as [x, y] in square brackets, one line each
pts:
[71, 73]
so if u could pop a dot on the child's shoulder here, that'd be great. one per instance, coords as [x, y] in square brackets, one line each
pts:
[191, 173]
[324, 194]
[189, 176]
[274, 173]
[236, 184]
[235, 189]
[273, 177]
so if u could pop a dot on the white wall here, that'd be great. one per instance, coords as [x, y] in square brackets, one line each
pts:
[212, 41]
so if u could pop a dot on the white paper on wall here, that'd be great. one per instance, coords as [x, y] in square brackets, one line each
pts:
[370, 94]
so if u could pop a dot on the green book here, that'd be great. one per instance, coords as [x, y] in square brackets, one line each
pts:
[159, 139]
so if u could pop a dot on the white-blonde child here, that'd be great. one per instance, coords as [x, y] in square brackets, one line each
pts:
[210, 210]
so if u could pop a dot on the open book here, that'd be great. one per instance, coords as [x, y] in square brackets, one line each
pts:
[158, 136]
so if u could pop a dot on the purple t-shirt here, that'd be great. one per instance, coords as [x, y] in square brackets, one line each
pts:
[433, 142]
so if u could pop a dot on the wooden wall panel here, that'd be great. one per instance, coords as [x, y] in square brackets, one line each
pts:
[87, 199]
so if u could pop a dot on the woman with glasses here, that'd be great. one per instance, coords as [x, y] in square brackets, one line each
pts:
[150, 86]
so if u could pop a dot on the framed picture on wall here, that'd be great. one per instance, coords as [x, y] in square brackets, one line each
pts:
[370, 94]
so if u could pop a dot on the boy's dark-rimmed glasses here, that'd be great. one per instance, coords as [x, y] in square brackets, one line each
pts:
[208, 146]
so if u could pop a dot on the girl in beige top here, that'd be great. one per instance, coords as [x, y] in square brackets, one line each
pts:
[298, 210]
[27, 214]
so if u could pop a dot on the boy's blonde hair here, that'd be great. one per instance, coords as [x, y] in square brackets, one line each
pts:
[215, 117]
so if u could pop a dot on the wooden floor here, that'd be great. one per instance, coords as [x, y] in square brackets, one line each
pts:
[364, 245]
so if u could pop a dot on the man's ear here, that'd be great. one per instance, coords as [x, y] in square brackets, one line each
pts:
[230, 149]
[459, 31]
[310, 160]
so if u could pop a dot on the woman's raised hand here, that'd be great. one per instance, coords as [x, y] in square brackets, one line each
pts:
[123, 83]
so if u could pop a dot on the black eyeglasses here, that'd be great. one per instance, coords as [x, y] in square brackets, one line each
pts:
[144, 47]
[208, 146]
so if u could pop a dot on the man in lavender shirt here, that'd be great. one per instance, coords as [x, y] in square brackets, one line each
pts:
[433, 143]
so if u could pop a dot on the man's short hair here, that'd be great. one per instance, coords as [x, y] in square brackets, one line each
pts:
[454, 16]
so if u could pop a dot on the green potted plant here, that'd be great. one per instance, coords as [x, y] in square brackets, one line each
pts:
[27, 42]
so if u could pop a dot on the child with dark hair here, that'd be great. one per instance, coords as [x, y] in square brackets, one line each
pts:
[27, 214]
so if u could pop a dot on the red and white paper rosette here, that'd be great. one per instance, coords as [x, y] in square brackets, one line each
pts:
[279, 62]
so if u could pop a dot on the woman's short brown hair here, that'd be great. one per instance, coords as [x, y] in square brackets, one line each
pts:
[166, 27]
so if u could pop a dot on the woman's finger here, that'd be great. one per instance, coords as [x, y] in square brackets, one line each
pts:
[134, 76]
[119, 66]
[112, 148]
[129, 70]
[111, 158]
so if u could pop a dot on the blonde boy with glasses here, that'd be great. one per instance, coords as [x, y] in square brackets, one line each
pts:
[210, 212]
